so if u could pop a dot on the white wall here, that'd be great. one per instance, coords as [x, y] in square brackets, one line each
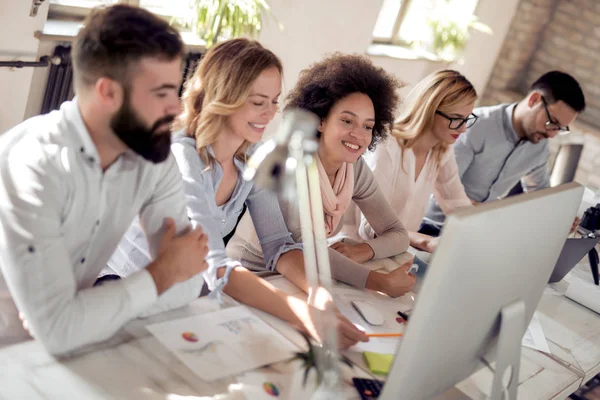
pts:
[312, 28]
[482, 50]
[17, 43]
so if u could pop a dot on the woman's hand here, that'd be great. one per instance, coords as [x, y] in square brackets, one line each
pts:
[348, 334]
[395, 284]
[424, 242]
[358, 253]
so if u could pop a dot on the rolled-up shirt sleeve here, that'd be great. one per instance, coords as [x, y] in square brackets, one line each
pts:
[272, 232]
[37, 268]
[168, 201]
[538, 178]
[200, 210]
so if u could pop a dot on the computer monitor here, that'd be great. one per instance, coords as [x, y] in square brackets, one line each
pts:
[493, 259]
[565, 164]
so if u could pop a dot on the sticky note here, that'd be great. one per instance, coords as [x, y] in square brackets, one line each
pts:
[378, 363]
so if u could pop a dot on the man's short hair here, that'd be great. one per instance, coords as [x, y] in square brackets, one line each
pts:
[113, 39]
[560, 86]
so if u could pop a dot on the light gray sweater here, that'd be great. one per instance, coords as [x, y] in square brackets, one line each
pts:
[392, 237]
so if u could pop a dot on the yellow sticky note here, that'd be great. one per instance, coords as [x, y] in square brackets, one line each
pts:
[378, 363]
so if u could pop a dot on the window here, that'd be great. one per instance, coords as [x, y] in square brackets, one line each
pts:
[67, 15]
[423, 23]
[83, 3]
[171, 8]
[80, 8]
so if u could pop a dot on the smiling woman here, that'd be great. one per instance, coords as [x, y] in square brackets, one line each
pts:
[356, 102]
[228, 102]
[418, 161]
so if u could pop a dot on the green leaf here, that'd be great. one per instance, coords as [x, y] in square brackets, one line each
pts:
[214, 20]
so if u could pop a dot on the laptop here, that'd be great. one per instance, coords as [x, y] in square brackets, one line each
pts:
[573, 251]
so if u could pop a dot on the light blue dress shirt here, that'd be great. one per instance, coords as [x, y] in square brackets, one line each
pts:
[200, 183]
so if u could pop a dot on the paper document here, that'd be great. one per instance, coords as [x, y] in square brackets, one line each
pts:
[223, 343]
[534, 336]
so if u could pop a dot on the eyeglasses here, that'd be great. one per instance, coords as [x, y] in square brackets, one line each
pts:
[457, 122]
[552, 124]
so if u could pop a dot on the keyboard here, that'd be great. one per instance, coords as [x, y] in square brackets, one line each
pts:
[368, 389]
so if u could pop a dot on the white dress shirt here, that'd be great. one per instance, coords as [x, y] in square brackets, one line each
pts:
[61, 219]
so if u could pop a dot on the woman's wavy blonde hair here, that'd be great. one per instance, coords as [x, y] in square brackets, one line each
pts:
[443, 91]
[219, 87]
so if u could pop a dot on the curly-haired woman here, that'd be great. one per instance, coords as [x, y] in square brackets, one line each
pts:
[356, 102]
[228, 102]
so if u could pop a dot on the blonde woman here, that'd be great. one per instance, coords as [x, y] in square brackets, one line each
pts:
[228, 102]
[356, 102]
[418, 160]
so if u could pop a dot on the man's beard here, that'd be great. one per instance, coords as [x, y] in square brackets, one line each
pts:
[151, 143]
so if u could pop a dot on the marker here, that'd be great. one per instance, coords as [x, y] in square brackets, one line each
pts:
[384, 334]
[405, 316]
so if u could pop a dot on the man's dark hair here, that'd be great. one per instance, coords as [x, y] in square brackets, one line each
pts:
[328, 81]
[115, 38]
[559, 86]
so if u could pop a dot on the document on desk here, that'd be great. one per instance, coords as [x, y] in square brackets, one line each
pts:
[534, 336]
[387, 306]
[223, 343]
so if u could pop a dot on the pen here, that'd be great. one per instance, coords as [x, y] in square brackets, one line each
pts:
[405, 316]
[384, 334]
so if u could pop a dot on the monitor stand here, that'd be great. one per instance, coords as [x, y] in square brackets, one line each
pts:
[508, 355]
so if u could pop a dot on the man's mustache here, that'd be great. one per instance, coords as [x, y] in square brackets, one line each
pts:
[167, 120]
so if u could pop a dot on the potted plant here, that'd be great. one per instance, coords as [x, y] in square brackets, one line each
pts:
[309, 360]
[450, 28]
[450, 36]
[215, 20]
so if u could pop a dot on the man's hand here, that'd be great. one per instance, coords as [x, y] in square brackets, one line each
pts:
[25, 324]
[358, 253]
[179, 257]
[395, 284]
[575, 225]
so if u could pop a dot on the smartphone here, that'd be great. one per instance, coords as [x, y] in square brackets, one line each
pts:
[368, 389]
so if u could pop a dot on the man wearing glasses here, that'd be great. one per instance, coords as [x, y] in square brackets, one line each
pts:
[508, 145]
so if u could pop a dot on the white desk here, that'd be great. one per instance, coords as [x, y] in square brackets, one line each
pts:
[573, 335]
[572, 330]
[141, 368]
[136, 366]
[540, 376]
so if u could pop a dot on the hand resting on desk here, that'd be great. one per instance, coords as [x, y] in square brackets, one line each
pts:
[348, 334]
[423, 242]
[395, 284]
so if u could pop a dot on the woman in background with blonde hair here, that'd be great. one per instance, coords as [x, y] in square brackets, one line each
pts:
[228, 102]
[418, 160]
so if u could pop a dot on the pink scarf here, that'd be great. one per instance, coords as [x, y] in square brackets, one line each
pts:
[336, 199]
